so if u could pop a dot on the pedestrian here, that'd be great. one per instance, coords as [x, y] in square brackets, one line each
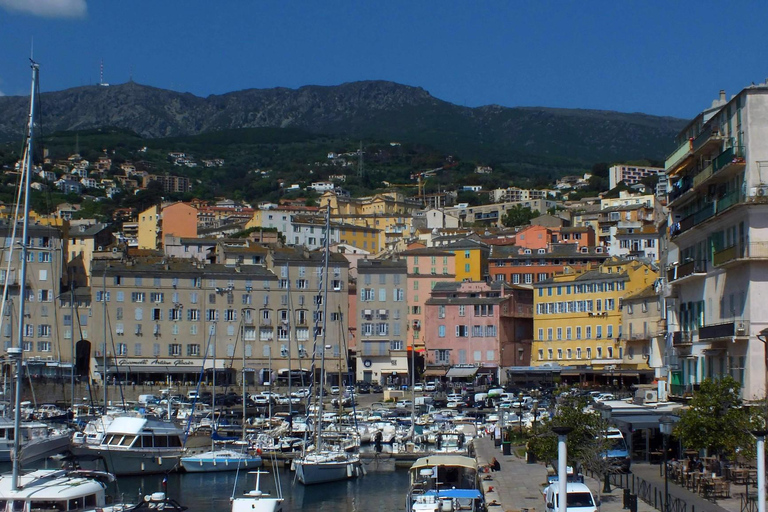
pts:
[495, 465]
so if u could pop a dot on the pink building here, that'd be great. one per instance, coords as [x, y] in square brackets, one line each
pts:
[426, 267]
[488, 326]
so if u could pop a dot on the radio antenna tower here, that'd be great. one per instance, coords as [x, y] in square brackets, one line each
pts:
[101, 75]
[360, 161]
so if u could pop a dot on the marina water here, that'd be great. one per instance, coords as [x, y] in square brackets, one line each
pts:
[383, 488]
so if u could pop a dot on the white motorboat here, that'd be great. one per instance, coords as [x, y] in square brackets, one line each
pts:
[38, 441]
[133, 446]
[221, 459]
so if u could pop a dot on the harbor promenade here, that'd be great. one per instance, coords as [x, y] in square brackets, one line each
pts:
[518, 485]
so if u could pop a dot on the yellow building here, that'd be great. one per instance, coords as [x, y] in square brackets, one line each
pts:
[471, 259]
[578, 319]
[149, 228]
[388, 203]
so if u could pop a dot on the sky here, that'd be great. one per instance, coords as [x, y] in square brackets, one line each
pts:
[657, 57]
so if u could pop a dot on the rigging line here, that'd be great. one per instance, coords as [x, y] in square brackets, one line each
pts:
[112, 339]
[199, 381]
[350, 377]
[14, 227]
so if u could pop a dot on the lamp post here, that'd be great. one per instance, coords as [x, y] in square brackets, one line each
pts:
[520, 410]
[605, 411]
[562, 466]
[760, 435]
[665, 425]
[763, 336]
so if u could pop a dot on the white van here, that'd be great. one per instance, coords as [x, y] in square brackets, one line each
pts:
[580, 498]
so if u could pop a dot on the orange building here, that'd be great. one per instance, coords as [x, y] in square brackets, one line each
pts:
[179, 219]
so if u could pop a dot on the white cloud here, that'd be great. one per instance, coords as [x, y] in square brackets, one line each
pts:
[48, 8]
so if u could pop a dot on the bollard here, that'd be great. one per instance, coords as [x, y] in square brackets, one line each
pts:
[625, 502]
[633, 503]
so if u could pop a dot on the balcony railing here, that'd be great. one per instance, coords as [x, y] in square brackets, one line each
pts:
[725, 255]
[681, 152]
[728, 200]
[703, 175]
[709, 332]
[705, 137]
[732, 155]
[686, 269]
[681, 338]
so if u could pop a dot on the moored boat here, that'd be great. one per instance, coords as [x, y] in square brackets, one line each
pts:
[444, 483]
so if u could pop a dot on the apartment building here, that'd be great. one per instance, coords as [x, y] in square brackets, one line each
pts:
[718, 246]
[521, 265]
[162, 315]
[643, 330]
[484, 325]
[382, 333]
[577, 320]
[44, 341]
[426, 268]
[514, 194]
[631, 174]
[84, 238]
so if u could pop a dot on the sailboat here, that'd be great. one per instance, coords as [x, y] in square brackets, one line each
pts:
[55, 489]
[324, 462]
[257, 500]
[221, 458]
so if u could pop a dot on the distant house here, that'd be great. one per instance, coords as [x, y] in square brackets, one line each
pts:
[69, 186]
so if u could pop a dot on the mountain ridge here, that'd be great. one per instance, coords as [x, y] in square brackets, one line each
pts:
[373, 109]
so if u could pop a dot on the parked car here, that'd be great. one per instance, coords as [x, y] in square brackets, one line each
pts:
[430, 386]
[418, 388]
[334, 390]
[377, 389]
[403, 404]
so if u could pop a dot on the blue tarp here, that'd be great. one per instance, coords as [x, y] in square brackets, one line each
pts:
[457, 493]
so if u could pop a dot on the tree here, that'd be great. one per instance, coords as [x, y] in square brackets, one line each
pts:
[715, 420]
[518, 216]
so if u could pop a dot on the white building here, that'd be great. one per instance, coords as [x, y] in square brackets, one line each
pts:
[630, 174]
[322, 186]
[717, 262]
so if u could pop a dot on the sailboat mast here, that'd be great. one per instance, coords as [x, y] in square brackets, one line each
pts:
[104, 312]
[326, 253]
[23, 284]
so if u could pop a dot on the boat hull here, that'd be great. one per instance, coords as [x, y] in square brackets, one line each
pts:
[311, 472]
[209, 463]
[257, 505]
[124, 462]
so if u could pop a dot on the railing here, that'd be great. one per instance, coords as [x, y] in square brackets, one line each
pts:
[677, 155]
[686, 269]
[702, 176]
[728, 201]
[705, 137]
[724, 256]
[703, 214]
[732, 155]
[725, 330]
[681, 338]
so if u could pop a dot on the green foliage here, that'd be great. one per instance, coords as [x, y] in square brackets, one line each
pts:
[582, 443]
[519, 216]
[716, 421]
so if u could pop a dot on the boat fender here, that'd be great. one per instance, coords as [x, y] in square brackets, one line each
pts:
[142, 466]
[350, 470]
[159, 461]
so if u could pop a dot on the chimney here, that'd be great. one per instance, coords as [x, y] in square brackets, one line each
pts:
[722, 96]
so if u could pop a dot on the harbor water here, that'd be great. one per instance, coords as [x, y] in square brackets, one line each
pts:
[383, 488]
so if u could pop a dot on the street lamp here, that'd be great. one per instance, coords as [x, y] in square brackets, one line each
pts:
[760, 435]
[665, 425]
[562, 466]
[520, 409]
[763, 336]
[605, 411]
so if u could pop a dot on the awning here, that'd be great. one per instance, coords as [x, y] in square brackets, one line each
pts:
[641, 421]
[434, 372]
[146, 368]
[461, 372]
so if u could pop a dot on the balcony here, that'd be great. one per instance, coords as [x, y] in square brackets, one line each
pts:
[678, 156]
[709, 332]
[690, 268]
[707, 139]
[728, 200]
[724, 256]
[730, 159]
[681, 338]
[702, 176]
[265, 322]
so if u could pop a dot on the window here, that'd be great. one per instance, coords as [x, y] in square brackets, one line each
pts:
[137, 297]
[193, 350]
[541, 334]
[541, 354]
[441, 331]
[174, 349]
[122, 349]
[477, 331]
[462, 310]
[589, 352]
[156, 297]
[578, 353]
[568, 333]
[396, 345]
[549, 334]
[211, 315]
[230, 315]
[549, 353]
[559, 333]
[462, 331]
[588, 331]
[578, 333]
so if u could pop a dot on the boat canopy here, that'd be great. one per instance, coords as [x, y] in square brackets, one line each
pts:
[444, 460]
